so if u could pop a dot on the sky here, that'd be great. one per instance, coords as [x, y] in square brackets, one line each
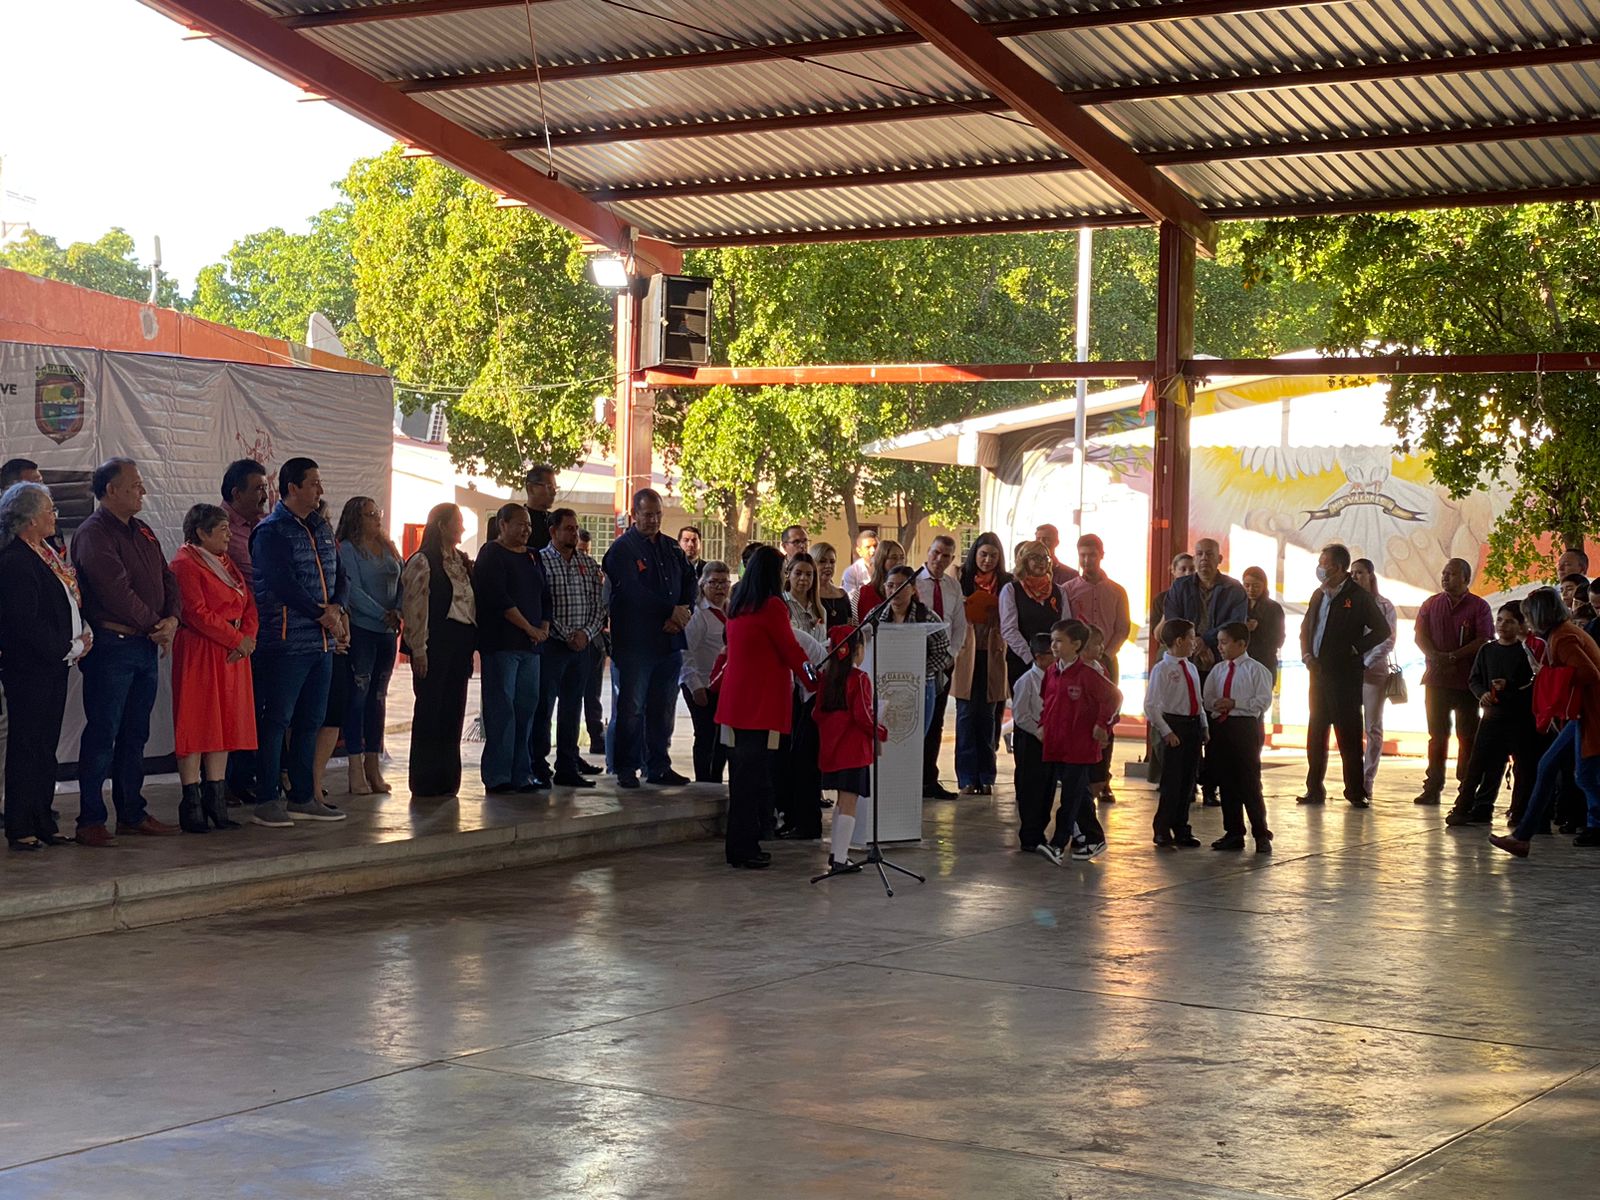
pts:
[108, 117]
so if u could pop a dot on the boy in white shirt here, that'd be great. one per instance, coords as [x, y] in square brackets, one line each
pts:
[1237, 694]
[1172, 706]
[1035, 781]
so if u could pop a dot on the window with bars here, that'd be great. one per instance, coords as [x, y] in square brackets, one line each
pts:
[602, 529]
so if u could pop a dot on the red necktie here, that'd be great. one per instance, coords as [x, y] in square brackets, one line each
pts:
[938, 596]
[1194, 701]
[1227, 688]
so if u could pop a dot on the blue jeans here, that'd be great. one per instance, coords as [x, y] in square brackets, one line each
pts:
[975, 754]
[510, 688]
[119, 690]
[563, 676]
[1546, 783]
[292, 698]
[370, 663]
[646, 697]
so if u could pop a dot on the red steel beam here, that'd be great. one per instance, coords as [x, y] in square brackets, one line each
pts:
[868, 373]
[994, 65]
[1397, 364]
[252, 34]
[1320, 208]
[1466, 136]
[811, 48]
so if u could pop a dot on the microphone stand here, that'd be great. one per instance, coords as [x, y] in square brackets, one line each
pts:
[874, 851]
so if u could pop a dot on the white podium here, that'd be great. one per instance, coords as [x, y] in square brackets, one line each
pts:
[901, 655]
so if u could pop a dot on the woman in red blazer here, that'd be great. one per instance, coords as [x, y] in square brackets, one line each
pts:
[754, 703]
[213, 695]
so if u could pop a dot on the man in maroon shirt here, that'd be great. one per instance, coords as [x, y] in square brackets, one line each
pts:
[1451, 626]
[130, 600]
[244, 495]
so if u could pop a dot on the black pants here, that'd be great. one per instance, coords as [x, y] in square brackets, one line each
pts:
[1442, 704]
[593, 715]
[441, 710]
[710, 755]
[934, 738]
[1335, 703]
[35, 700]
[1235, 756]
[1036, 788]
[1500, 739]
[1076, 807]
[749, 792]
[797, 784]
[1178, 774]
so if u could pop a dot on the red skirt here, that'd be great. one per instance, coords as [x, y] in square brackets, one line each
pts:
[213, 700]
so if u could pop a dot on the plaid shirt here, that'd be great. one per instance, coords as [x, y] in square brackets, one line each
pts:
[575, 589]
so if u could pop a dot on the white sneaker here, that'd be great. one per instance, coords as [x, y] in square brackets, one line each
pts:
[1087, 850]
[1050, 852]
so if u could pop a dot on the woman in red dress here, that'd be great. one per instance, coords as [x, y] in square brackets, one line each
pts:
[213, 698]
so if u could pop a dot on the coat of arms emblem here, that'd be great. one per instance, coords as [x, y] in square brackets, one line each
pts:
[60, 402]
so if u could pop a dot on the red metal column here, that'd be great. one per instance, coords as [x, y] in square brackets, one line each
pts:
[1169, 492]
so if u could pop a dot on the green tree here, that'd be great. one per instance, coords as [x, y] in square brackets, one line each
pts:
[483, 308]
[271, 282]
[109, 265]
[1473, 281]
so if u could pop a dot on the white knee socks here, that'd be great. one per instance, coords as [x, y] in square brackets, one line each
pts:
[843, 827]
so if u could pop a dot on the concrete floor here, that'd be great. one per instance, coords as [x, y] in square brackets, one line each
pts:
[1382, 1008]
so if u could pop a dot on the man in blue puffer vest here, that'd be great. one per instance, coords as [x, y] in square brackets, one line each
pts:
[300, 591]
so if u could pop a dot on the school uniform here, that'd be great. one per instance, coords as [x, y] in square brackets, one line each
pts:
[1172, 705]
[1076, 700]
[1036, 784]
[846, 736]
[1236, 741]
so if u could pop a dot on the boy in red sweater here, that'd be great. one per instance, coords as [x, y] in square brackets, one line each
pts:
[1080, 707]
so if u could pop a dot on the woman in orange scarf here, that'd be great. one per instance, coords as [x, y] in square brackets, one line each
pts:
[979, 682]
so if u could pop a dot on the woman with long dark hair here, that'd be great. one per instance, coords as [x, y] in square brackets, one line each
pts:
[754, 703]
[373, 566]
[979, 680]
[1375, 672]
[441, 633]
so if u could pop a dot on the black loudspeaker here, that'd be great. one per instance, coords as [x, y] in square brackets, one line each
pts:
[675, 325]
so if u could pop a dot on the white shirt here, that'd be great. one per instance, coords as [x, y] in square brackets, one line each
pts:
[855, 575]
[1251, 692]
[706, 636]
[1027, 704]
[1008, 620]
[75, 652]
[1167, 693]
[1378, 656]
[955, 606]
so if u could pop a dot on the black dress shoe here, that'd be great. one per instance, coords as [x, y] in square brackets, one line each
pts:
[1310, 798]
[588, 768]
[1186, 840]
[627, 781]
[1427, 797]
[1228, 843]
[1589, 837]
[572, 781]
[501, 789]
[668, 779]
[1363, 802]
[753, 864]
[938, 792]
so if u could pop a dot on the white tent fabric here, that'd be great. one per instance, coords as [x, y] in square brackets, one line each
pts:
[183, 420]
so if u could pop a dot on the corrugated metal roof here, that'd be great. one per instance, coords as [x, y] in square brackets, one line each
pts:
[1251, 47]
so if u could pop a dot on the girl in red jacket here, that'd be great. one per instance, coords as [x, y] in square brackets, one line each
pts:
[844, 721]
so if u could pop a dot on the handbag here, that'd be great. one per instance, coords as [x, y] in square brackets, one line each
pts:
[1394, 687]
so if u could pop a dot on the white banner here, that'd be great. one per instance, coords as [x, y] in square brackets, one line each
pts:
[900, 653]
[183, 421]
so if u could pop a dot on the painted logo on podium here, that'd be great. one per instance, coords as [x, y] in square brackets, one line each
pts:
[60, 402]
[900, 704]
